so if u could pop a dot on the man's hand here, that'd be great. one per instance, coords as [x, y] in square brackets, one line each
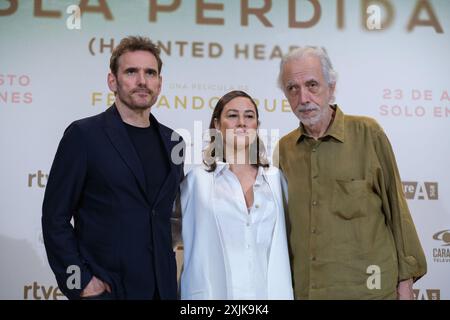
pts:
[405, 290]
[95, 287]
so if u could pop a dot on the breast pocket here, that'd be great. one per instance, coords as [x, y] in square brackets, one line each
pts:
[350, 198]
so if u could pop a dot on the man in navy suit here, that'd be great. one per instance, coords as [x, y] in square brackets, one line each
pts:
[116, 174]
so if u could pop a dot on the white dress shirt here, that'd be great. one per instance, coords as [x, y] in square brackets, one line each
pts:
[228, 252]
[246, 234]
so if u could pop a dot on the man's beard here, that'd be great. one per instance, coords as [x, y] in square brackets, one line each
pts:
[311, 121]
[128, 99]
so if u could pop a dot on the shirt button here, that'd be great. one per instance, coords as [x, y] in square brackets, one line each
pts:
[248, 224]
[313, 230]
[314, 203]
[314, 150]
[315, 176]
[313, 258]
[154, 212]
[256, 206]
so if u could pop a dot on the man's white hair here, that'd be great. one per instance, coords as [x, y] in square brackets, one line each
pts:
[327, 68]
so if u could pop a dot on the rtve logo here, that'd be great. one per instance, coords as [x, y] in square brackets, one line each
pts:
[37, 179]
[427, 294]
[414, 190]
[41, 292]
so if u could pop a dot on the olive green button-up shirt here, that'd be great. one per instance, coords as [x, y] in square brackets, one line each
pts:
[350, 231]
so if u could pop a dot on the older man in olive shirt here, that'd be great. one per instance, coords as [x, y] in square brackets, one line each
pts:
[350, 231]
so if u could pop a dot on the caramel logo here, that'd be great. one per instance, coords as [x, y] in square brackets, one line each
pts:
[441, 254]
[443, 236]
[414, 190]
[427, 294]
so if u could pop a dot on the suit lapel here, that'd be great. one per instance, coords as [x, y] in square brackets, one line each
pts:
[118, 135]
[167, 143]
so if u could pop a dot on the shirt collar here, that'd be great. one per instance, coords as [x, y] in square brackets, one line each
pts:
[261, 176]
[222, 166]
[336, 130]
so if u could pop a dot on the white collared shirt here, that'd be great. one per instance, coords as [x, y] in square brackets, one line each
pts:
[246, 234]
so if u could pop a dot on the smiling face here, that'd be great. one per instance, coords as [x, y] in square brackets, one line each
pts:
[306, 89]
[137, 83]
[238, 123]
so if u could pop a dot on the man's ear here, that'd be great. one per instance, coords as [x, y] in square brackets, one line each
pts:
[332, 88]
[332, 91]
[112, 82]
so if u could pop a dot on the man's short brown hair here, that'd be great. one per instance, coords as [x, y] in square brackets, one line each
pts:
[130, 44]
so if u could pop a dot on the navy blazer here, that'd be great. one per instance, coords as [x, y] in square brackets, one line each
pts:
[98, 180]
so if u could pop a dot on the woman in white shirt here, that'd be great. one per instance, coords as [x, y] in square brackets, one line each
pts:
[233, 225]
